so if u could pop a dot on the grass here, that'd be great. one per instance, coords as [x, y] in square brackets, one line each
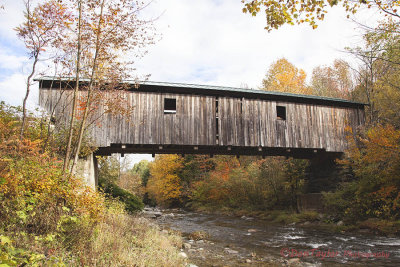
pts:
[118, 239]
[126, 240]
[379, 226]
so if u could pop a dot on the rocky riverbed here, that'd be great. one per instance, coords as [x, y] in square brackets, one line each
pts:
[219, 240]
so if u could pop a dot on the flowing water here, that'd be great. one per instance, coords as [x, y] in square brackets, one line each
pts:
[234, 241]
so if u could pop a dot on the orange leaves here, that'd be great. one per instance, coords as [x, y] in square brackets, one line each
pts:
[384, 137]
[374, 157]
[385, 202]
[43, 25]
[40, 177]
[224, 167]
[382, 144]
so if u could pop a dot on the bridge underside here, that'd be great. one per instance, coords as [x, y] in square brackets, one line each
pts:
[303, 153]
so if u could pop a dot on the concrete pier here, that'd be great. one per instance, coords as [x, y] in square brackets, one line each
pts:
[87, 168]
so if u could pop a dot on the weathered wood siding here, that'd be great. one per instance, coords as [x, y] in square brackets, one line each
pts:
[242, 122]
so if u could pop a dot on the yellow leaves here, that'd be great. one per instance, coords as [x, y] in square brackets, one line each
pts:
[280, 12]
[164, 184]
[382, 143]
[283, 76]
[374, 157]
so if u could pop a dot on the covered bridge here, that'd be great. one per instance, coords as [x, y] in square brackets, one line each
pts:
[203, 119]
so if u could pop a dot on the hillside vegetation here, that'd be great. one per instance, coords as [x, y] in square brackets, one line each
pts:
[52, 219]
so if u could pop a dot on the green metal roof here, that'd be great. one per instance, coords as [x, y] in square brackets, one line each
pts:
[244, 90]
[220, 89]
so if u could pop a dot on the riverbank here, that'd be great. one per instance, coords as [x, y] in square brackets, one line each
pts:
[312, 219]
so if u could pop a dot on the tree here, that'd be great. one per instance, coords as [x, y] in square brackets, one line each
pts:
[333, 81]
[76, 88]
[105, 32]
[142, 169]
[295, 174]
[283, 76]
[280, 12]
[164, 184]
[44, 26]
[378, 73]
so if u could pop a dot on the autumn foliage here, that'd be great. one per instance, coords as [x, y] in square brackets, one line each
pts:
[374, 158]
[36, 200]
[224, 182]
[164, 184]
[283, 76]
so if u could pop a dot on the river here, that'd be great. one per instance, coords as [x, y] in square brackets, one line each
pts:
[235, 241]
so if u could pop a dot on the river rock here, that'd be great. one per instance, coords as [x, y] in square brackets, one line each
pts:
[191, 250]
[231, 251]
[164, 231]
[294, 261]
[248, 261]
[246, 218]
[183, 255]
[191, 265]
[306, 223]
[200, 242]
[339, 223]
[152, 214]
[252, 230]
[187, 246]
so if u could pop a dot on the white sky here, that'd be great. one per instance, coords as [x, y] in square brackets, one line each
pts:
[204, 42]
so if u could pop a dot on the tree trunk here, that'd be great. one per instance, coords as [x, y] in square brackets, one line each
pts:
[90, 89]
[76, 89]
[28, 87]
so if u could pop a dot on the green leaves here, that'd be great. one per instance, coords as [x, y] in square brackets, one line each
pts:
[280, 12]
[11, 256]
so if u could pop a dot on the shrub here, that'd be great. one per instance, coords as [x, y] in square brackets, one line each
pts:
[132, 202]
[373, 157]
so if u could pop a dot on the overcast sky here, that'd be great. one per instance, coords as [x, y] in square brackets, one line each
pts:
[204, 42]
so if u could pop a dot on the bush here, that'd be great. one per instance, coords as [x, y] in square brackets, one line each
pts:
[132, 202]
[374, 159]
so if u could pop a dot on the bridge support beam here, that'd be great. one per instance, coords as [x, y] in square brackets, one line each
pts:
[87, 168]
[323, 175]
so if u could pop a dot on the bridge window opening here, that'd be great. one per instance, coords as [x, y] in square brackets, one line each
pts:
[216, 121]
[169, 105]
[281, 112]
[216, 130]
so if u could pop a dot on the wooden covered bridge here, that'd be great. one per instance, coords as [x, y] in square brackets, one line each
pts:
[202, 119]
